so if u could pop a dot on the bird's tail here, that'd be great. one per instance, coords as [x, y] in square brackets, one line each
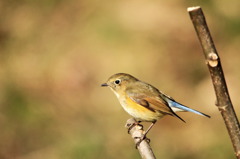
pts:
[176, 107]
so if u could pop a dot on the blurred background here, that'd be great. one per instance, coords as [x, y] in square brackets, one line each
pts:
[54, 54]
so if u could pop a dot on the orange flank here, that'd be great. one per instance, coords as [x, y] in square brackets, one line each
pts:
[139, 111]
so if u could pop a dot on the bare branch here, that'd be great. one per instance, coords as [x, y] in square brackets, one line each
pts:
[223, 102]
[137, 132]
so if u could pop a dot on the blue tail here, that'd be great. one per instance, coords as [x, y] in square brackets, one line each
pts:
[179, 107]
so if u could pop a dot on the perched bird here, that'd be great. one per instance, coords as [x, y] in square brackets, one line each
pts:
[143, 101]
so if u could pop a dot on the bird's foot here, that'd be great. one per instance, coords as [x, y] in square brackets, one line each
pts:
[141, 139]
[132, 125]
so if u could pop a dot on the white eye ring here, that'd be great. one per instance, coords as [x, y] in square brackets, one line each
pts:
[117, 82]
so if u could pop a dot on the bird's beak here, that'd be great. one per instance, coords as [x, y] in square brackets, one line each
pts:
[104, 85]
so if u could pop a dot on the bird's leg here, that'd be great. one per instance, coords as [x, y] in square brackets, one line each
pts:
[134, 124]
[145, 134]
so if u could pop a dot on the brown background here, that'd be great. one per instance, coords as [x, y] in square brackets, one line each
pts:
[54, 54]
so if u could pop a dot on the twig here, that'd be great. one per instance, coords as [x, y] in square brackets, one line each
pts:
[137, 132]
[223, 102]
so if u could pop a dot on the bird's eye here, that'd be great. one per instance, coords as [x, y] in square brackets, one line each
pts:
[118, 81]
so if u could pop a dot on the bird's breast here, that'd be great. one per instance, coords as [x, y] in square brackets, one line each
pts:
[138, 111]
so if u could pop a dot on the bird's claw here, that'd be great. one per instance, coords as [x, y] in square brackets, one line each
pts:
[141, 139]
[132, 125]
[148, 140]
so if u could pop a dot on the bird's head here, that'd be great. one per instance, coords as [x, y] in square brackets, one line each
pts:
[119, 82]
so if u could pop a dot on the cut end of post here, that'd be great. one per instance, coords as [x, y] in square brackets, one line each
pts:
[190, 9]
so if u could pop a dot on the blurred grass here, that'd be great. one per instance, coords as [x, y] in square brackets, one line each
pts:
[54, 54]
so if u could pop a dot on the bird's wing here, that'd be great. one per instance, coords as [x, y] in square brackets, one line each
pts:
[153, 103]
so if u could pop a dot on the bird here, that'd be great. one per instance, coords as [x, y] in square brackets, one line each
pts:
[144, 102]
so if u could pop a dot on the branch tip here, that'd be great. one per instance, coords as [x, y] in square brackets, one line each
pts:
[190, 9]
[136, 131]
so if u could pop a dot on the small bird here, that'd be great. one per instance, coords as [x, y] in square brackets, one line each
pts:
[143, 101]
